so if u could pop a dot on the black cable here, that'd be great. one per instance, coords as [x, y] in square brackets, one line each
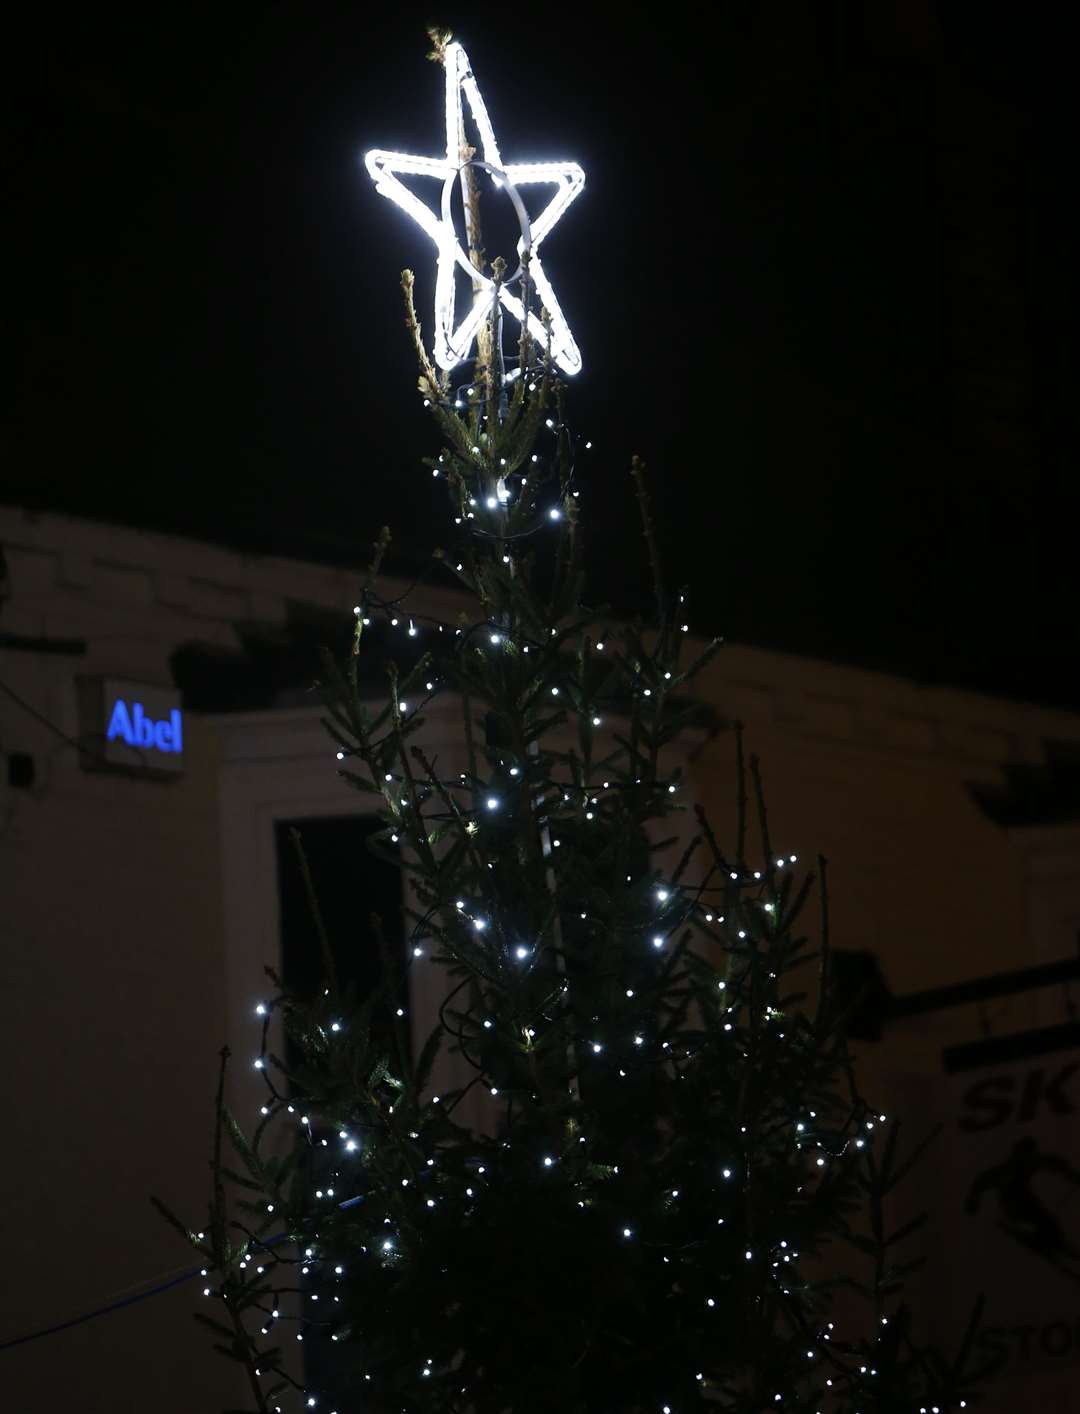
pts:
[33, 711]
[78, 743]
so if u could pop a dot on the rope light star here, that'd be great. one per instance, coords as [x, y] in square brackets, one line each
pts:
[453, 343]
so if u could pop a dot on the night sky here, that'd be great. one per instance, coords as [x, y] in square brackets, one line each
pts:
[815, 274]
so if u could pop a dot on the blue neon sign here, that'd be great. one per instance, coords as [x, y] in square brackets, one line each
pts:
[134, 726]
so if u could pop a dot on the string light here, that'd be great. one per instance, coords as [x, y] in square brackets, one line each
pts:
[666, 902]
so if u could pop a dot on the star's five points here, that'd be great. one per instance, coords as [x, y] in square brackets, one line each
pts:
[453, 344]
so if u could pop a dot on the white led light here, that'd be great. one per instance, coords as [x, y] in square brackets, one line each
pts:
[453, 344]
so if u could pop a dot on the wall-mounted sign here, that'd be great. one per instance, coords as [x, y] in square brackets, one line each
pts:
[1009, 1188]
[131, 725]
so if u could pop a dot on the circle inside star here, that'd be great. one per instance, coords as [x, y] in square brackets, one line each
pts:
[503, 182]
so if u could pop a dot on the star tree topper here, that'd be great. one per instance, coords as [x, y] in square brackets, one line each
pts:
[453, 345]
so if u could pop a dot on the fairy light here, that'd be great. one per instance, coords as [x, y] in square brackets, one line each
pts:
[453, 342]
[666, 900]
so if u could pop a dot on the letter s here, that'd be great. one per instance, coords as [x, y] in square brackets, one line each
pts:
[995, 1107]
[993, 1343]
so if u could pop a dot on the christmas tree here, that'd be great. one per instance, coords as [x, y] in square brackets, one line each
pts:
[650, 1207]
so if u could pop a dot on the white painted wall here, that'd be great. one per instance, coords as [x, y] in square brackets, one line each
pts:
[137, 915]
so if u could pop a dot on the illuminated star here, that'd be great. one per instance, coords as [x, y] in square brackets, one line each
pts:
[453, 345]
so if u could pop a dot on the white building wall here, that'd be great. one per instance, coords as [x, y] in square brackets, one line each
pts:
[137, 914]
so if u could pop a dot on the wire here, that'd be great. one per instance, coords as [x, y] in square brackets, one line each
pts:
[79, 743]
[130, 1297]
[114, 1305]
[33, 711]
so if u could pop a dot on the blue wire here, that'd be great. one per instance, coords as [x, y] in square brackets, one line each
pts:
[101, 1311]
[139, 1296]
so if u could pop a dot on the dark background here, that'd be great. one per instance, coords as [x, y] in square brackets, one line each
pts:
[817, 275]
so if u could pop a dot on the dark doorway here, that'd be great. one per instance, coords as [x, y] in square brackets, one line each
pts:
[351, 883]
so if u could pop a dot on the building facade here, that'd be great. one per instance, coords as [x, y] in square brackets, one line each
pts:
[145, 888]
